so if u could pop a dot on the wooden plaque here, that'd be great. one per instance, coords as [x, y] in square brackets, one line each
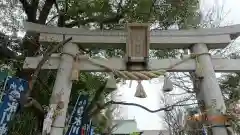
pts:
[137, 48]
[137, 40]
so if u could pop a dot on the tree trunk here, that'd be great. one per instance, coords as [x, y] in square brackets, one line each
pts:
[30, 45]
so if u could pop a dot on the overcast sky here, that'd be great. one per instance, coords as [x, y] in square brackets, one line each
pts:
[149, 121]
[230, 9]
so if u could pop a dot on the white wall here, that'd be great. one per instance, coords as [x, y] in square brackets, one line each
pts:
[143, 118]
[155, 132]
[125, 126]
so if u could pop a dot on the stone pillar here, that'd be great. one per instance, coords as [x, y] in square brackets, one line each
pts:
[209, 86]
[63, 85]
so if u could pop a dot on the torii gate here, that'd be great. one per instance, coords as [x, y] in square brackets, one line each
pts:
[139, 40]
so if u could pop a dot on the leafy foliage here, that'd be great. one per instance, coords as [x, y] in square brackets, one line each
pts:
[107, 14]
[135, 133]
[230, 88]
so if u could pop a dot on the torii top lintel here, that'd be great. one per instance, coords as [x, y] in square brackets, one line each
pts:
[165, 39]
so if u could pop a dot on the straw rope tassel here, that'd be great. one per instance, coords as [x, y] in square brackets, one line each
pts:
[130, 84]
[111, 83]
[140, 93]
[75, 72]
[167, 85]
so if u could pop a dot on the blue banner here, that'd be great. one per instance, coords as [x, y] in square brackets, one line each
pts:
[14, 86]
[77, 120]
[90, 130]
[86, 124]
[204, 131]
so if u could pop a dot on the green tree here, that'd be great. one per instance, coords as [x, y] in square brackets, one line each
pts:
[230, 87]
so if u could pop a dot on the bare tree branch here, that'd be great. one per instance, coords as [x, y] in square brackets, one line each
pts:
[27, 101]
[43, 60]
[167, 108]
[179, 94]
[96, 97]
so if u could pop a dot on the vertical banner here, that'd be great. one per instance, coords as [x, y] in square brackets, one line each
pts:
[77, 119]
[14, 86]
[89, 126]
[204, 130]
[91, 131]
[86, 124]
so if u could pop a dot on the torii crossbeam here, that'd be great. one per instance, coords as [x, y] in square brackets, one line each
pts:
[198, 41]
[219, 64]
[169, 39]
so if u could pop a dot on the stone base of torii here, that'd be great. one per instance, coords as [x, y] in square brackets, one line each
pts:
[137, 40]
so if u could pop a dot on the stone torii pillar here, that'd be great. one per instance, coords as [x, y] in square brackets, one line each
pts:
[62, 87]
[210, 89]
